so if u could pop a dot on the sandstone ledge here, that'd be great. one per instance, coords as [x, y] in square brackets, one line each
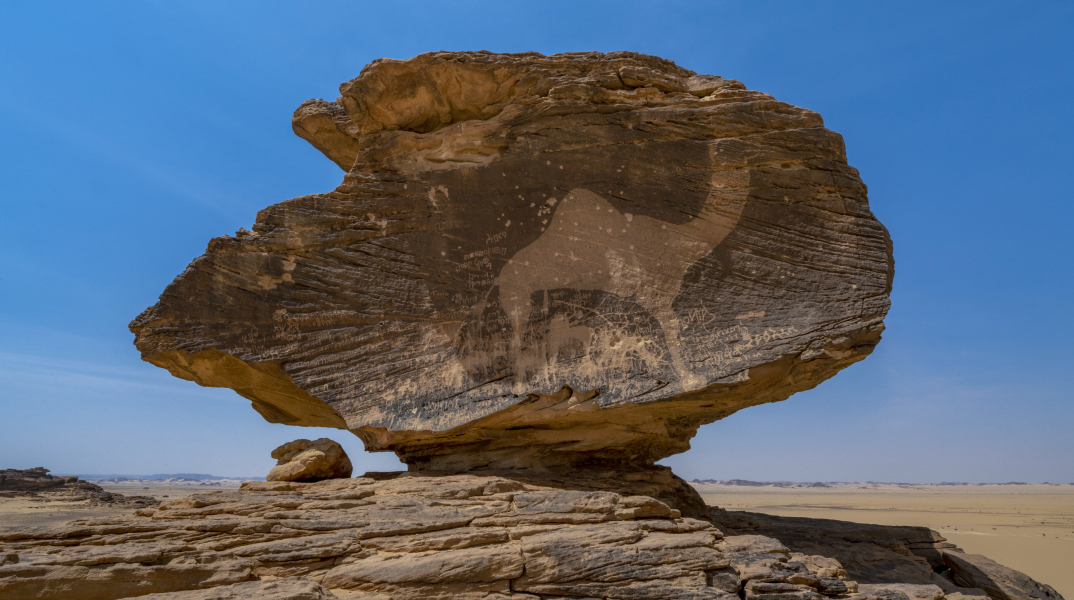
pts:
[403, 538]
[406, 536]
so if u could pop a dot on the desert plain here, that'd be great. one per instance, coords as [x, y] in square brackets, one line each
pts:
[33, 512]
[1026, 527]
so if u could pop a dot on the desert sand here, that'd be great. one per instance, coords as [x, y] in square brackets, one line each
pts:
[1026, 527]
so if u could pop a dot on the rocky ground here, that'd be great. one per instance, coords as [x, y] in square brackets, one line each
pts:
[403, 537]
[37, 486]
[1028, 527]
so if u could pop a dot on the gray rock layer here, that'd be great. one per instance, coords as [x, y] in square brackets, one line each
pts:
[539, 261]
[914, 561]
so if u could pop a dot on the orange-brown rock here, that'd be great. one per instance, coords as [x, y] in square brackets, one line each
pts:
[539, 261]
[306, 460]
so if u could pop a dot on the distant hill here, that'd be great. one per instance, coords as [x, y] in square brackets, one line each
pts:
[163, 476]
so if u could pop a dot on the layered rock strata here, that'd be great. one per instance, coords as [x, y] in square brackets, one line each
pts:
[32, 480]
[411, 537]
[37, 485]
[539, 261]
[917, 558]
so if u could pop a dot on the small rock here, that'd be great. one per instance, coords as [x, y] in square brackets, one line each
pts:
[831, 586]
[305, 460]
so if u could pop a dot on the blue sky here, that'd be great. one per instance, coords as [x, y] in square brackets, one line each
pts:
[133, 132]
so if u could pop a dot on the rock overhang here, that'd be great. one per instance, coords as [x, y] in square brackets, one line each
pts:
[673, 246]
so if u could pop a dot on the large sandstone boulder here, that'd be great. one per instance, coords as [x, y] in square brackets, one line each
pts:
[305, 460]
[537, 261]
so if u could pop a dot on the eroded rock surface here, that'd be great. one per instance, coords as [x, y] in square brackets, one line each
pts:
[37, 485]
[536, 262]
[916, 562]
[407, 537]
[306, 460]
[998, 581]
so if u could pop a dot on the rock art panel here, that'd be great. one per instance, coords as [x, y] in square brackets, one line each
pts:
[512, 228]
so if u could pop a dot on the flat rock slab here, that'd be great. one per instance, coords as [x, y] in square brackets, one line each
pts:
[539, 261]
[407, 538]
[890, 562]
[998, 581]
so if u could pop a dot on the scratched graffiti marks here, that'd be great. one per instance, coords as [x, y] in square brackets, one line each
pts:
[597, 338]
[739, 307]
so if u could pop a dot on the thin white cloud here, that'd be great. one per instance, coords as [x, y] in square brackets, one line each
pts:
[36, 372]
[86, 141]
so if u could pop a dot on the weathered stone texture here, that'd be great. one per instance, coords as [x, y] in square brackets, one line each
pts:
[39, 486]
[998, 581]
[403, 537]
[889, 562]
[305, 460]
[539, 261]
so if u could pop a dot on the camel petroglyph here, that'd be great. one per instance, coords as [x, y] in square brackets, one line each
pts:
[590, 245]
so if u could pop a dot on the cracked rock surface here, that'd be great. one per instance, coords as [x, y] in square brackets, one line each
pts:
[538, 262]
[891, 561]
[402, 538]
[407, 536]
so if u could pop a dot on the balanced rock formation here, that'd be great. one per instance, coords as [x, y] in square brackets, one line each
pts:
[538, 262]
[303, 460]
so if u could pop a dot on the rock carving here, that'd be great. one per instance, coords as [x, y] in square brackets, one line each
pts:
[538, 262]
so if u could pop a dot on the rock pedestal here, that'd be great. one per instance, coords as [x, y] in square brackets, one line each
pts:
[538, 263]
